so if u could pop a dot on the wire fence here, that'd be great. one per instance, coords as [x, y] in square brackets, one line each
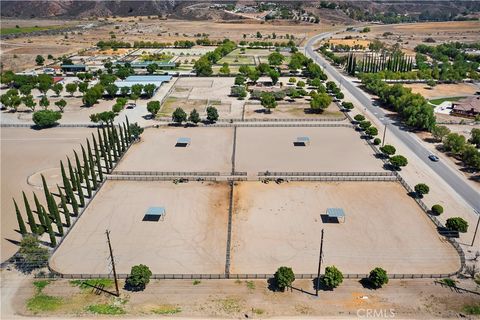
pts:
[329, 178]
[159, 178]
[278, 124]
[65, 125]
[167, 173]
[336, 174]
[283, 120]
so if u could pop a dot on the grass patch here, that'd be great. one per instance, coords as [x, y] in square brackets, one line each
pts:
[449, 282]
[41, 303]
[87, 284]
[196, 282]
[472, 309]
[105, 309]
[171, 103]
[250, 285]
[238, 281]
[5, 31]
[258, 311]
[439, 101]
[230, 305]
[167, 309]
[41, 284]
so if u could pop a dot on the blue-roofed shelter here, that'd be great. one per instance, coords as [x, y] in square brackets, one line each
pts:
[302, 141]
[183, 142]
[155, 214]
[337, 213]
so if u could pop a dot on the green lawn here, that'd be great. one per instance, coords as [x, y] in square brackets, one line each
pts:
[439, 101]
[5, 31]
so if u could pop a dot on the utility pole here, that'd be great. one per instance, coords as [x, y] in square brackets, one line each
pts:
[384, 133]
[319, 265]
[476, 228]
[113, 263]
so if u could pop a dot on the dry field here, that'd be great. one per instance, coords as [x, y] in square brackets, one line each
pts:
[276, 225]
[285, 110]
[350, 42]
[24, 153]
[330, 149]
[190, 239]
[444, 90]
[210, 150]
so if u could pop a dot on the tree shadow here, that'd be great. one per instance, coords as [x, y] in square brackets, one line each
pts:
[320, 285]
[367, 284]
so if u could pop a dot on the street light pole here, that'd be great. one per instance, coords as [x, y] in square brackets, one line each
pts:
[384, 133]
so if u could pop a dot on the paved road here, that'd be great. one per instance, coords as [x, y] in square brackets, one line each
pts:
[470, 195]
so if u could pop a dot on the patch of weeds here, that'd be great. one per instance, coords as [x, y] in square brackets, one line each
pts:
[449, 282]
[477, 279]
[196, 282]
[167, 309]
[238, 281]
[302, 309]
[250, 285]
[472, 309]
[41, 302]
[41, 284]
[230, 305]
[258, 311]
[88, 284]
[105, 309]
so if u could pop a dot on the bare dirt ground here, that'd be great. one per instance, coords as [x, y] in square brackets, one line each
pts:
[191, 238]
[276, 225]
[210, 150]
[330, 149]
[443, 90]
[227, 299]
[286, 110]
[26, 152]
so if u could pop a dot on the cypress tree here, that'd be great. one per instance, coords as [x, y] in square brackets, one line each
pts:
[81, 197]
[21, 223]
[41, 218]
[125, 132]
[47, 194]
[117, 140]
[107, 149]
[66, 184]
[56, 214]
[112, 143]
[354, 66]
[97, 159]
[87, 184]
[53, 240]
[72, 176]
[92, 166]
[79, 167]
[102, 151]
[86, 167]
[129, 132]
[63, 203]
[31, 219]
[122, 138]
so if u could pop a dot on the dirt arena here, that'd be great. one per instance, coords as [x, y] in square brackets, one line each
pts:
[331, 149]
[276, 225]
[191, 238]
[210, 150]
[26, 153]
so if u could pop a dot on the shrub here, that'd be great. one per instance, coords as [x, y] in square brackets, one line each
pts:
[437, 209]
[284, 277]
[347, 105]
[333, 277]
[153, 107]
[31, 255]
[179, 115]
[359, 117]
[378, 277]
[139, 277]
[212, 114]
[377, 141]
[457, 224]
[398, 161]
[421, 189]
[46, 118]
[388, 150]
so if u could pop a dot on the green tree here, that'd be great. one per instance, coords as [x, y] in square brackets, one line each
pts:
[151, 68]
[359, 118]
[44, 102]
[275, 59]
[284, 278]
[111, 90]
[212, 114]
[21, 223]
[39, 60]
[44, 84]
[31, 255]
[149, 90]
[364, 125]
[268, 101]
[71, 88]
[457, 224]
[61, 104]
[437, 209]
[194, 117]
[179, 116]
[43, 226]
[46, 118]
[274, 75]
[153, 107]
[398, 161]
[138, 278]
[135, 130]
[332, 278]
[378, 277]
[388, 150]
[57, 88]
[439, 132]
[29, 102]
[63, 204]
[475, 137]
[371, 131]
[225, 70]
[421, 189]
[83, 87]
[81, 196]
[203, 67]
[31, 219]
[454, 142]
[320, 102]
[238, 91]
